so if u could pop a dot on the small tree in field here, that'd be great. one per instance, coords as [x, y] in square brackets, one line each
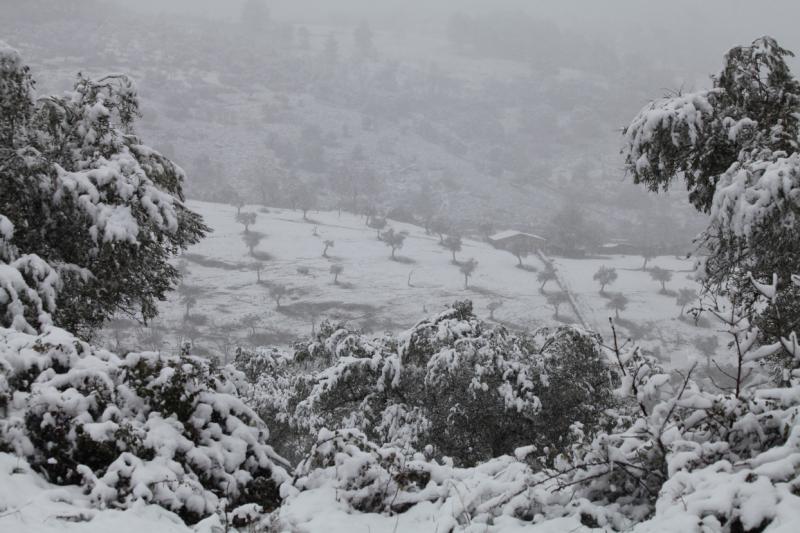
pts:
[467, 268]
[394, 239]
[685, 297]
[251, 240]
[493, 306]
[246, 219]
[545, 276]
[520, 249]
[378, 224]
[662, 276]
[251, 322]
[188, 297]
[617, 303]
[557, 299]
[277, 292]
[336, 270]
[304, 197]
[605, 276]
[258, 266]
[647, 254]
[439, 226]
[328, 244]
[453, 243]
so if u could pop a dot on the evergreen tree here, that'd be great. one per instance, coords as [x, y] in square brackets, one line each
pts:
[731, 145]
[89, 216]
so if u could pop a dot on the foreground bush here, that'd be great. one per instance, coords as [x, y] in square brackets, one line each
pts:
[675, 457]
[453, 386]
[169, 430]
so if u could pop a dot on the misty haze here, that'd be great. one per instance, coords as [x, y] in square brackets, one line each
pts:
[399, 266]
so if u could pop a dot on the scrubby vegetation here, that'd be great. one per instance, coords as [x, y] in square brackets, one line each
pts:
[453, 386]
[460, 417]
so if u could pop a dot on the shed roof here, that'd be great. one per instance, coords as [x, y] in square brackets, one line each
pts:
[513, 233]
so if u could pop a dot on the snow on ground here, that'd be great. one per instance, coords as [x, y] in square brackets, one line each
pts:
[29, 504]
[657, 314]
[374, 292]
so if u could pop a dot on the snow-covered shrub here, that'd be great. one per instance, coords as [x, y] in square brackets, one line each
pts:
[169, 430]
[675, 458]
[453, 384]
[370, 478]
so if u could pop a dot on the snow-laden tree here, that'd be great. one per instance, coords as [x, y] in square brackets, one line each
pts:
[736, 147]
[698, 136]
[89, 216]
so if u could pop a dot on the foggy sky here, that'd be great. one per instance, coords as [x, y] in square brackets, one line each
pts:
[689, 32]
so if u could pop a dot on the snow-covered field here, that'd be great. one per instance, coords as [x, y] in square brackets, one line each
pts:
[378, 294]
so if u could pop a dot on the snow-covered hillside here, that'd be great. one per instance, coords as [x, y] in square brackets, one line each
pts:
[377, 294]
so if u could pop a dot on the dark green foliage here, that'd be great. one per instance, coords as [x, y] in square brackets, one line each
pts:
[468, 389]
[68, 162]
[732, 144]
[755, 86]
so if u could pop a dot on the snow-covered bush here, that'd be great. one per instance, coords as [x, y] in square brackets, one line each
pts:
[674, 457]
[453, 385]
[369, 477]
[169, 430]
